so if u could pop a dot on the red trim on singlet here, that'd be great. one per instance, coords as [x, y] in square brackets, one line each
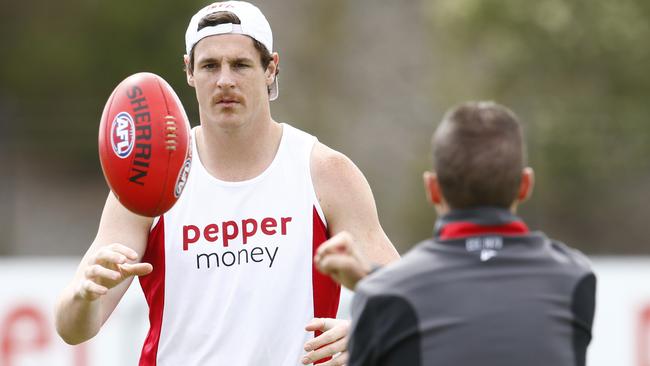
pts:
[153, 286]
[643, 337]
[455, 230]
[326, 291]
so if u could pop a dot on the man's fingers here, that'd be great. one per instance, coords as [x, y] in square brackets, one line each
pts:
[342, 359]
[91, 290]
[333, 330]
[332, 341]
[99, 279]
[136, 269]
[102, 273]
[344, 269]
[327, 338]
[325, 351]
[339, 360]
[124, 250]
[339, 243]
[106, 256]
[333, 245]
[315, 324]
[115, 254]
[335, 262]
[336, 243]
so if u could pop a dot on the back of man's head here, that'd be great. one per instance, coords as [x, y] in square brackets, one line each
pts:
[479, 155]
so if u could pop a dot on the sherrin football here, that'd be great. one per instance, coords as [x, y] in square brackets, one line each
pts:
[144, 144]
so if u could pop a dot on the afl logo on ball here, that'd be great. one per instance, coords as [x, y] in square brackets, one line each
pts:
[182, 177]
[122, 135]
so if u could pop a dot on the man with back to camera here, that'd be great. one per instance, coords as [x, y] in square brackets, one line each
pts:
[484, 290]
[228, 272]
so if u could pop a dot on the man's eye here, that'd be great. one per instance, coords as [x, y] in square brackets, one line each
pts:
[241, 65]
[209, 66]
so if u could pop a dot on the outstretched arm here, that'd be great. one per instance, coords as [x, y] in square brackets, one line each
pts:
[104, 274]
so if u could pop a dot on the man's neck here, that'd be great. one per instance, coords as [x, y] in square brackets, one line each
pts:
[241, 153]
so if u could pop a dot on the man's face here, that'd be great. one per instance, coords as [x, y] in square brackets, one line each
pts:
[231, 85]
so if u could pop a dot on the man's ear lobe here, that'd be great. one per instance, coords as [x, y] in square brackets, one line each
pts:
[526, 185]
[188, 72]
[274, 67]
[432, 188]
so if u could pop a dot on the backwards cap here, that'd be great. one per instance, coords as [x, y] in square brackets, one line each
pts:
[253, 24]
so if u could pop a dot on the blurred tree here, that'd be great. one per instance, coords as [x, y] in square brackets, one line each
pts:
[576, 72]
[65, 57]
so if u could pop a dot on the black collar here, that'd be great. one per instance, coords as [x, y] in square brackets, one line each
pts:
[479, 221]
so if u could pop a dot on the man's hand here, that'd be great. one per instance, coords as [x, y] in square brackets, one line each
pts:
[340, 259]
[333, 342]
[107, 269]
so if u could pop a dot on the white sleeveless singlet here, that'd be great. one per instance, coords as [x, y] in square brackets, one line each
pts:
[233, 280]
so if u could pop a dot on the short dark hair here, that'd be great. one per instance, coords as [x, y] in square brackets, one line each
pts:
[479, 155]
[224, 17]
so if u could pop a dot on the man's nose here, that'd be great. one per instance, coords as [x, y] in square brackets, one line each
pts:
[225, 78]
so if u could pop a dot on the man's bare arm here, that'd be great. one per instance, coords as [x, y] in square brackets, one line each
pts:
[348, 204]
[104, 274]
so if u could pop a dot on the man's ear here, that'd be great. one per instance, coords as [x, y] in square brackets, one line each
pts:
[432, 188]
[188, 73]
[526, 185]
[272, 69]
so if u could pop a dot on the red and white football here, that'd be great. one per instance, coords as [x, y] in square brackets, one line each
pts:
[144, 144]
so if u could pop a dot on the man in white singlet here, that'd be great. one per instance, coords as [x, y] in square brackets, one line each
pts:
[228, 272]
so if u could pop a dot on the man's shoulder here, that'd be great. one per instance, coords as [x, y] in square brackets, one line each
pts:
[400, 276]
[570, 256]
[332, 171]
[432, 262]
[325, 159]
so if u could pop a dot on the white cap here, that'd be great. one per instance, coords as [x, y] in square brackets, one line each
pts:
[253, 24]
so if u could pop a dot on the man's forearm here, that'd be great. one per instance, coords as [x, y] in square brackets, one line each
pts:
[77, 319]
